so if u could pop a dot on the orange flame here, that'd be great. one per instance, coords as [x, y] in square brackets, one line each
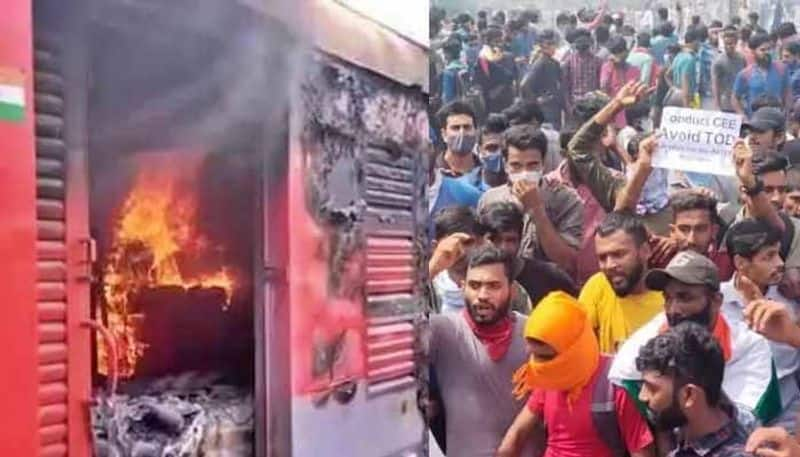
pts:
[154, 233]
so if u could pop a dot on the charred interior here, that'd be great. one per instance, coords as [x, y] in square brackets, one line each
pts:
[178, 105]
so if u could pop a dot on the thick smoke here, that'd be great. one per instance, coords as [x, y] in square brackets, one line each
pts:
[202, 74]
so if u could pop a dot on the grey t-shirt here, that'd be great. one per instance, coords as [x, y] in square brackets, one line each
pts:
[724, 70]
[476, 391]
[563, 208]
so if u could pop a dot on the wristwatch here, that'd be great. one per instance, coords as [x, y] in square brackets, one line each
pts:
[756, 189]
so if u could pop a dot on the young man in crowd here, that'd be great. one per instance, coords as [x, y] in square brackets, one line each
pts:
[571, 399]
[691, 288]
[453, 72]
[601, 38]
[791, 58]
[754, 247]
[543, 83]
[665, 37]
[459, 131]
[724, 70]
[682, 371]
[616, 73]
[616, 299]
[580, 70]
[654, 195]
[473, 355]
[503, 223]
[528, 112]
[553, 214]
[706, 54]
[766, 131]
[593, 211]
[446, 186]
[641, 58]
[682, 75]
[696, 227]
[458, 233]
[491, 146]
[787, 33]
[607, 187]
[496, 72]
[763, 77]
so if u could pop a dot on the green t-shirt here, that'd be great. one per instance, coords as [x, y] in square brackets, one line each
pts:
[685, 63]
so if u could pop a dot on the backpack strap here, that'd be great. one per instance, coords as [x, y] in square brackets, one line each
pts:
[604, 410]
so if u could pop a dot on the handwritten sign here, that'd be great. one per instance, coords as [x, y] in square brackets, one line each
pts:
[697, 140]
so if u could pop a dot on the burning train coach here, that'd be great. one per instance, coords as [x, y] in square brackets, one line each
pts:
[211, 224]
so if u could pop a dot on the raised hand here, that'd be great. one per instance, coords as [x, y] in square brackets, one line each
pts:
[527, 193]
[647, 148]
[747, 288]
[632, 93]
[743, 162]
[772, 319]
[772, 442]
[448, 252]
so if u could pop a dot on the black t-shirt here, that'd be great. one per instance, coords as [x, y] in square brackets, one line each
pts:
[539, 278]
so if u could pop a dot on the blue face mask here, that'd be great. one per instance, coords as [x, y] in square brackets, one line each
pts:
[493, 162]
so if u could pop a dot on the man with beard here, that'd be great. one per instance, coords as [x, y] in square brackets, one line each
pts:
[764, 77]
[766, 131]
[458, 233]
[695, 226]
[474, 354]
[682, 371]
[754, 247]
[616, 298]
[570, 395]
[690, 284]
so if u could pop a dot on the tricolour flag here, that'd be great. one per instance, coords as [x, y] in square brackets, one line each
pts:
[12, 94]
[749, 379]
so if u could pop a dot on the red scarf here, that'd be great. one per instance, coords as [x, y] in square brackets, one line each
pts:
[496, 337]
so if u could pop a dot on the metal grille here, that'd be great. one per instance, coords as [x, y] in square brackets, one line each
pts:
[51, 252]
[389, 191]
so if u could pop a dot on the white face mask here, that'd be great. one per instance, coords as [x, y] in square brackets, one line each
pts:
[530, 176]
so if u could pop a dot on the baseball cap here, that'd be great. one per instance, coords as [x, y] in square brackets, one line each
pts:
[688, 267]
[766, 118]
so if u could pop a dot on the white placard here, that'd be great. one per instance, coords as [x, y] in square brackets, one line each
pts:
[697, 140]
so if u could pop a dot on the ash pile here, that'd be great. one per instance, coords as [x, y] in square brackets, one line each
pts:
[190, 415]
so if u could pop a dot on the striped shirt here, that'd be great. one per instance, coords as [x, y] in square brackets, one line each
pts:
[581, 73]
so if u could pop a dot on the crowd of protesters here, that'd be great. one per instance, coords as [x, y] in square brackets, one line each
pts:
[585, 302]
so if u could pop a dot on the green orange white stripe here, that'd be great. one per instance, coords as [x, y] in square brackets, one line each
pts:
[12, 94]
[749, 379]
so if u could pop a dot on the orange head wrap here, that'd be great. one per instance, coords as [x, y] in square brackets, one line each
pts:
[560, 322]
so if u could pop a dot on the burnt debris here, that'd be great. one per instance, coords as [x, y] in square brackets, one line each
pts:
[175, 417]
